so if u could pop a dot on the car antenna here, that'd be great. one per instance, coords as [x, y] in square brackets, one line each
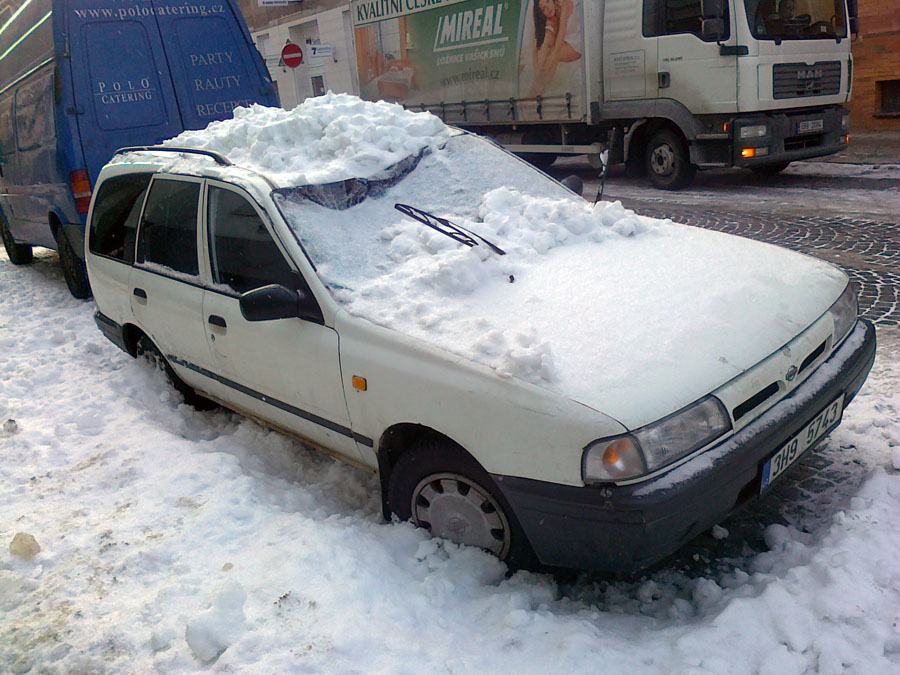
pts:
[604, 169]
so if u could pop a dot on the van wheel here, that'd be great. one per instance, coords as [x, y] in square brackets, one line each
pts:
[74, 269]
[145, 349]
[19, 254]
[440, 488]
[668, 161]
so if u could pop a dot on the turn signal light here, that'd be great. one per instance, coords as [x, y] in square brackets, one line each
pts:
[845, 139]
[748, 153]
[359, 383]
[81, 190]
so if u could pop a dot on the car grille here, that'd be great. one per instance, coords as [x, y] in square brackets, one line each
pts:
[798, 80]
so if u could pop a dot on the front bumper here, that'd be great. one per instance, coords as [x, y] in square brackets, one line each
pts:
[628, 528]
[785, 142]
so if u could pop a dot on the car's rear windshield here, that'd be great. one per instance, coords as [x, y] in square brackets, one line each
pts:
[345, 227]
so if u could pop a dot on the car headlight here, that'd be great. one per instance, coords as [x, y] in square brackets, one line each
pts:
[844, 312]
[655, 445]
[757, 131]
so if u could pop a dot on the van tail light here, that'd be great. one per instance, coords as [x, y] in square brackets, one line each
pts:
[81, 190]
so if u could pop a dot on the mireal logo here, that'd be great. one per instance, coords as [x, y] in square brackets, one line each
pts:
[470, 28]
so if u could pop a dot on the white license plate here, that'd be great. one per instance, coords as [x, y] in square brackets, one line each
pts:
[810, 125]
[790, 452]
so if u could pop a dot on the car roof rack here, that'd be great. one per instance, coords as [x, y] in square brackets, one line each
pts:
[221, 160]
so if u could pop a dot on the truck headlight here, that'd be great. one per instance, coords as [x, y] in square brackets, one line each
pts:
[757, 131]
[655, 445]
[844, 312]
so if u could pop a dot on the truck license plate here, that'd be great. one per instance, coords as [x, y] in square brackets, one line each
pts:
[790, 452]
[808, 126]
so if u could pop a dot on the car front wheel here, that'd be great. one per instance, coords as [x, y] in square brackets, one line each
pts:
[146, 350]
[440, 488]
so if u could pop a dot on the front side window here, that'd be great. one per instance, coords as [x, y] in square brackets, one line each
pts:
[796, 19]
[115, 217]
[168, 234]
[242, 252]
[674, 17]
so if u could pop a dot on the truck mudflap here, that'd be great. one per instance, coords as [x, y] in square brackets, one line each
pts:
[788, 136]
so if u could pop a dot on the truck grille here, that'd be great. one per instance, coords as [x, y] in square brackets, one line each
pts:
[798, 80]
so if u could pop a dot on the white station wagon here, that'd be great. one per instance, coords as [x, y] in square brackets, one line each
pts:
[550, 380]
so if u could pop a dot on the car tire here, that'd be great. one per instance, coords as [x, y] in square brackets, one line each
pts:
[770, 170]
[668, 161]
[145, 349]
[74, 269]
[19, 254]
[440, 481]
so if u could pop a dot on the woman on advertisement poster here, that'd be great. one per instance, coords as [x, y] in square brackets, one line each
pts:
[553, 38]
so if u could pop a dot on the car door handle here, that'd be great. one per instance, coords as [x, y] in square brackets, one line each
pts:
[140, 293]
[216, 320]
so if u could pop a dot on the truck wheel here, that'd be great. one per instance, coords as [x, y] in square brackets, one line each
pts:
[74, 269]
[19, 254]
[440, 488]
[770, 170]
[668, 161]
[145, 349]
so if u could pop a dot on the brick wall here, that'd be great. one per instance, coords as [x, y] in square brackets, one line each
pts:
[876, 57]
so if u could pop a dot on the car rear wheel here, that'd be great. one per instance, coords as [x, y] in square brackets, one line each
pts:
[668, 161]
[440, 488]
[148, 351]
[19, 254]
[74, 269]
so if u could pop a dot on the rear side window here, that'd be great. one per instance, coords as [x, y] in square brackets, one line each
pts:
[115, 217]
[244, 255]
[168, 235]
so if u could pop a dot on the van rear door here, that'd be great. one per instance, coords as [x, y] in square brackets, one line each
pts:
[123, 94]
[214, 66]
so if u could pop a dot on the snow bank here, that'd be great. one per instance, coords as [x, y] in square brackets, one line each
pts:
[324, 139]
[154, 518]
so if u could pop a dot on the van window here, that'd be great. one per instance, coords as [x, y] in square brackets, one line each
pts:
[115, 216]
[243, 254]
[168, 234]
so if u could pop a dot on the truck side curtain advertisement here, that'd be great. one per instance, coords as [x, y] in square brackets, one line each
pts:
[507, 59]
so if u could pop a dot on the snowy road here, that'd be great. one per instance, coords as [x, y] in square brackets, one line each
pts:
[172, 539]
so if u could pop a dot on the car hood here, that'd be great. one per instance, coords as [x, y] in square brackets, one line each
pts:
[663, 320]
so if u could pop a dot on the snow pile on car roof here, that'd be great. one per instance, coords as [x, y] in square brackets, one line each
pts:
[324, 139]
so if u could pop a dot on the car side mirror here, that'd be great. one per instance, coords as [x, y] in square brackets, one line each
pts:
[575, 184]
[274, 301]
[712, 9]
[712, 29]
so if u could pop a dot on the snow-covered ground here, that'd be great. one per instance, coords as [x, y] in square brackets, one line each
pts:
[173, 539]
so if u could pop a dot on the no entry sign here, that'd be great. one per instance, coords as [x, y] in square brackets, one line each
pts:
[291, 55]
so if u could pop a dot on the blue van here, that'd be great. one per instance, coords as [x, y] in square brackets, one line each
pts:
[79, 79]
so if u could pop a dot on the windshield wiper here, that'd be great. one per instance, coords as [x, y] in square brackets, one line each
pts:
[447, 228]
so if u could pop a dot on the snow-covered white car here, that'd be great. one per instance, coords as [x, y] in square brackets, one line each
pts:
[529, 373]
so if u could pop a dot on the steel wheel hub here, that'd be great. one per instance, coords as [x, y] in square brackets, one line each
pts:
[662, 159]
[453, 507]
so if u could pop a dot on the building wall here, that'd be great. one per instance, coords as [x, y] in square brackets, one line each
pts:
[324, 22]
[876, 59]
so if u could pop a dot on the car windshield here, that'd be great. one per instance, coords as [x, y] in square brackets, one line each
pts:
[349, 228]
[796, 19]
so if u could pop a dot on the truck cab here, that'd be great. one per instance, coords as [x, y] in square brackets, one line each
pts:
[721, 83]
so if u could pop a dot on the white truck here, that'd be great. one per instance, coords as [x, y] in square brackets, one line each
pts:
[666, 86]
